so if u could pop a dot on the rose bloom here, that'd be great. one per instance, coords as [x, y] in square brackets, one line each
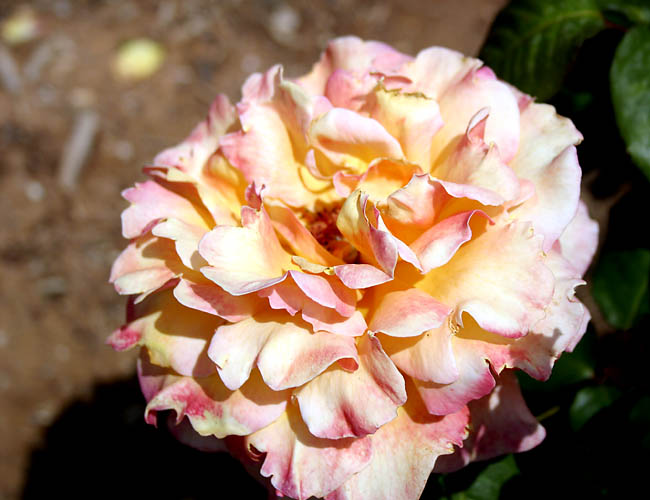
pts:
[336, 278]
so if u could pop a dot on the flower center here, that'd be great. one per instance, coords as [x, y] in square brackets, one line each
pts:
[322, 225]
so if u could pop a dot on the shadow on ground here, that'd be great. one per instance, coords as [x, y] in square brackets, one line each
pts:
[102, 448]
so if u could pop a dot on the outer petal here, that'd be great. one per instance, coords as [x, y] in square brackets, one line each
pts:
[186, 238]
[244, 259]
[211, 408]
[302, 465]
[546, 158]
[499, 278]
[436, 69]
[175, 336]
[287, 354]
[501, 423]
[407, 313]
[352, 54]
[211, 299]
[579, 240]
[479, 89]
[330, 404]
[150, 202]
[557, 192]
[404, 453]
[145, 266]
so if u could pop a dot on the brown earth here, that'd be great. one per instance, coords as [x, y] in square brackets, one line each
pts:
[57, 245]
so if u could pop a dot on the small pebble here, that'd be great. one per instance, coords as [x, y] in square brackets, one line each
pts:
[54, 286]
[21, 27]
[138, 59]
[35, 191]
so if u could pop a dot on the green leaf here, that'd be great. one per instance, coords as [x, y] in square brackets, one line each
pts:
[637, 11]
[532, 43]
[619, 285]
[630, 84]
[588, 402]
[488, 484]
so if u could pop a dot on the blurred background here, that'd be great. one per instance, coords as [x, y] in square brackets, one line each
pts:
[90, 91]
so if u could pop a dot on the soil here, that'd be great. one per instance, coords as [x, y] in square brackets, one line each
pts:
[65, 396]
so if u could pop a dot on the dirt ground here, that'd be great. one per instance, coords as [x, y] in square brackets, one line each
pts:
[57, 244]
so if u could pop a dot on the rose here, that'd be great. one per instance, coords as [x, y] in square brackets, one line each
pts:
[345, 269]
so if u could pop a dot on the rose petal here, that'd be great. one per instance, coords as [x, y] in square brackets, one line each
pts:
[186, 238]
[501, 424]
[329, 404]
[579, 240]
[407, 313]
[244, 259]
[499, 278]
[404, 452]
[286, 353]
[213, 409]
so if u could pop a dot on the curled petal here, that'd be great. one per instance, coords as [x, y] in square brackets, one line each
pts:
[330, 405]
[501, 424]
[244, 259]
[175, 336]
[211, 299]
[479, 89]
[436, 246]
[436, 69]
[150, 202]
[301, 465]
[404, 452]
[144, 266]
[287, 354]
[211, 407]
[186, 238]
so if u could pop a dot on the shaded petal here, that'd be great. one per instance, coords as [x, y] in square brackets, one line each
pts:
[287, 354]
[175, 336]
[579, 240]
[358, 276]
[499, 278]
[186, 238]
[244, 259]
[383, 177]
[501, 424]
[330, 404]
[211, 407]
[211, 299]
[144, 266]
[151, 202]
[407, 313]
[404, 453]
[301, 465]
